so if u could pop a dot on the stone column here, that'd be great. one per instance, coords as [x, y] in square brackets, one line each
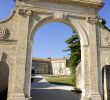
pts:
[84, 72]
[105, 84]
[28, 67]
[22, 48]
[92, 25]
[19, 74]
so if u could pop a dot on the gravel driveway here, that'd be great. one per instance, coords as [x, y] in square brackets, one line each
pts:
[42, 90]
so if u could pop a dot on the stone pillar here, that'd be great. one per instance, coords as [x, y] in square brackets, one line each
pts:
[105, 84]
[28, 68]
[19, 74]
[11, 81]
[16, 77]
[22, 25]
[84, 73]
[92, 25]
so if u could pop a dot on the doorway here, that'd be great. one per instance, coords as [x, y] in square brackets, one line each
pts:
[106, 82]
[53, 56]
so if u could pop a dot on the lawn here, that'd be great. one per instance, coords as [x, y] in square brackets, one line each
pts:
[61, 80]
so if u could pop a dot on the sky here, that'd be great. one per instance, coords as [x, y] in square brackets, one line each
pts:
[49, 38]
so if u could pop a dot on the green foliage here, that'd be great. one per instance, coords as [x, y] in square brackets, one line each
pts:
[104, 24]
[75, 56]
[60, 80]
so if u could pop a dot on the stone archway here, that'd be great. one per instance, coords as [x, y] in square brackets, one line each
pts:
[72, 23]
[80, 15]
[63, 19]
[69, 22]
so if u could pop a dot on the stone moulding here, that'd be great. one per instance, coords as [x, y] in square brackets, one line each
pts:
[88, 3]
[78, 1]
[8, 42]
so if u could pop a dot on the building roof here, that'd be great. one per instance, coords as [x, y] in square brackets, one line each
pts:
[47, 59]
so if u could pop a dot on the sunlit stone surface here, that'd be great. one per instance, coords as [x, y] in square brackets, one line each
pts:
[29, 15]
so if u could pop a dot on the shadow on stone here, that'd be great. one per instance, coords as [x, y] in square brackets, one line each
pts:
[4, 74]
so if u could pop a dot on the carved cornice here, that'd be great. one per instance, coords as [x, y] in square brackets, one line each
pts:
[87, 3]
[81, 2]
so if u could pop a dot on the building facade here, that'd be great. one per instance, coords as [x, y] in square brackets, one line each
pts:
[56, 66]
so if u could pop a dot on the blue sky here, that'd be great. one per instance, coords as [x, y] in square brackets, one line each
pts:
[49, 39]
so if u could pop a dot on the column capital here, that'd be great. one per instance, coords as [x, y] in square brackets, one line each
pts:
[93, 20]
[24, 12]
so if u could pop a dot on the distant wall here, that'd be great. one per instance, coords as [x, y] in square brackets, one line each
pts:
[50, 66]
[59, 67]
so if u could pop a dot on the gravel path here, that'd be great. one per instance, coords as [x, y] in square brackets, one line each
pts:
[42, 90]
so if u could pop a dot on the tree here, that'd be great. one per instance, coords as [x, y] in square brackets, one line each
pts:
[75, 53]
[104, 24]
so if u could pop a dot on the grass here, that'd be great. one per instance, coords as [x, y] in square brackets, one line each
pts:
[60, 80]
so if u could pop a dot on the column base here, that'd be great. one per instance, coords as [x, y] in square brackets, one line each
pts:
[92, 97]
[95, 97]
[30, 98]
[19, 96]
[84, 98]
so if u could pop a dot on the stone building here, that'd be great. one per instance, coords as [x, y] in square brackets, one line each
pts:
[41, 66]
[56, 66]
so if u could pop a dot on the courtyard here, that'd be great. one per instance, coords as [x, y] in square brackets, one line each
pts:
[42, 90]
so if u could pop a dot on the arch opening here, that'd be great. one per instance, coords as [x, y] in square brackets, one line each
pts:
[48, 58]
[105, 82]
[70, 22]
